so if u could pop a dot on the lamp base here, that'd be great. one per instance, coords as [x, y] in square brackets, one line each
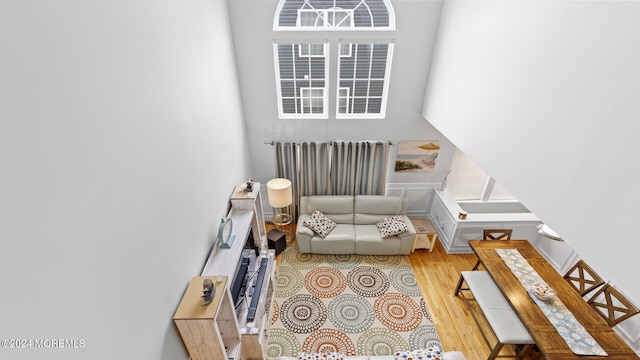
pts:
[281, 219]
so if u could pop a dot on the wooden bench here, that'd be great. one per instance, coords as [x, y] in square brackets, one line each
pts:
[504, 322]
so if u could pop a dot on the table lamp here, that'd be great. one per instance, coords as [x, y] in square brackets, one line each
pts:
[280, 196]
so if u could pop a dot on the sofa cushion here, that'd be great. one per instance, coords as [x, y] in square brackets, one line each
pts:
[338, 208]
[339, 241]
[319, 223]
[392, 226]
[369, 241]
[369, 209]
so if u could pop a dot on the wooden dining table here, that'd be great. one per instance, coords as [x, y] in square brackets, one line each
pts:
[545, 335]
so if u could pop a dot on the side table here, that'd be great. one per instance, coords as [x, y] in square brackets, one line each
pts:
[277, 240]
[426, 234]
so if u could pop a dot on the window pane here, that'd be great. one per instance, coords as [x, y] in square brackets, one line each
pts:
[374, 106]
[310, 18]
[339, 18]
[316, 106]
[312, 101]
[359, 106]
[289, 106]
[345, 49]
[361, 88]
[378, 69]
[346, 69]
[287, 88]
[311, 50]
[362, 70]
[316, 49]
[376, 87]
[317, 69]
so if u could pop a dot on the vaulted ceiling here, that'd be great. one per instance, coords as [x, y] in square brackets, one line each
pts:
[540, 94]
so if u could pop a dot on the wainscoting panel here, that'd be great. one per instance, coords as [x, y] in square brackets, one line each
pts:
[417, 196]
[558, 253]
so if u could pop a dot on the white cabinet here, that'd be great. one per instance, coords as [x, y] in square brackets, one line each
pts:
[455, 233]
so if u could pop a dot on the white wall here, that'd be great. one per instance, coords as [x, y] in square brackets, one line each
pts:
[121, 139]
[544, 96]
[417, 23]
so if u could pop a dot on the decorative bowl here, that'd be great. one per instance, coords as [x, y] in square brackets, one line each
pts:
[542, 291]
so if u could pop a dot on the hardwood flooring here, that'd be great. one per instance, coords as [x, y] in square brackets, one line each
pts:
[437, 274]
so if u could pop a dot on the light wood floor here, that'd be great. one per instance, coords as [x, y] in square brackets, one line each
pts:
[437, 274]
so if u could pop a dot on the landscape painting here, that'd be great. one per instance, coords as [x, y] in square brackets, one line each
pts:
[417, 156]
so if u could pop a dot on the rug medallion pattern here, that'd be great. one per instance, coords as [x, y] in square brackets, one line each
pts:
[355, 304]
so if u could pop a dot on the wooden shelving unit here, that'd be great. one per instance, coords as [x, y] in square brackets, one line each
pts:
[243, 200]
[220, 330]
[209, 331]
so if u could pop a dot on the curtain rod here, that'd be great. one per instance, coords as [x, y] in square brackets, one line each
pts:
[331, 142]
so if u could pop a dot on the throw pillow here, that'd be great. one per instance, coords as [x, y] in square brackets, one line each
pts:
[319, 223]
[432, 353]
[320, 356]
[392, 226]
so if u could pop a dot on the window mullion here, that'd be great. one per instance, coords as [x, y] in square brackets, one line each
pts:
[353, 79]
[369, 79]
[331, 84]
[295, 79]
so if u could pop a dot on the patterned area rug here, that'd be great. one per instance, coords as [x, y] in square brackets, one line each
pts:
[355, 304]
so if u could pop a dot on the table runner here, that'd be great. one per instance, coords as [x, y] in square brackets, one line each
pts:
[573, 333]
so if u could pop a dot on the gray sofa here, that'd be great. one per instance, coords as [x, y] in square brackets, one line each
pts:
[356, 231]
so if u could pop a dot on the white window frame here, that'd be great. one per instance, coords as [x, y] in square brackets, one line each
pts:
[309, 98]
[298, 96]
[309, 46]
[385, 89]
[340, 98]
[324, 16]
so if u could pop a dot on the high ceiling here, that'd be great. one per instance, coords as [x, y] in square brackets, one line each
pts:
[253, 35]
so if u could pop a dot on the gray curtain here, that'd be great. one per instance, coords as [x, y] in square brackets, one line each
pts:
[359, 168]
[287, 167]
[337, 168]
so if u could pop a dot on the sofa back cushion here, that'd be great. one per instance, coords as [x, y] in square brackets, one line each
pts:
[338, 208]
[369, 209]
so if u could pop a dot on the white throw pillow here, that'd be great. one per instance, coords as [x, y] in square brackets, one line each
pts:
[319, 223]
[392, 226]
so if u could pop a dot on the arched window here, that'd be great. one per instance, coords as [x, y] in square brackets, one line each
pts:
[341, 14]
[306, 67]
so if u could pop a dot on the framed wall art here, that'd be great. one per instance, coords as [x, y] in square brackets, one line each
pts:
[417, 156]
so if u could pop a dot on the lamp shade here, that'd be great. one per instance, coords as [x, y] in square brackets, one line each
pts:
[279, 192]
